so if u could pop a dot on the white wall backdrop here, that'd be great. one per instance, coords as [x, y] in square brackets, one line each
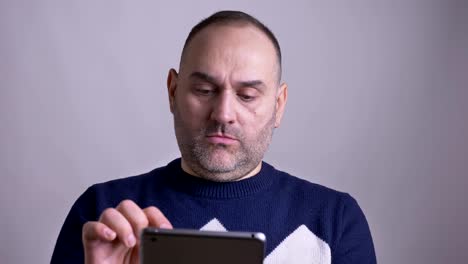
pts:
[377, 108]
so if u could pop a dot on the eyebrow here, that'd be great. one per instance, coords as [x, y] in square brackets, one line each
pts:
[257, 84]
[204, 76]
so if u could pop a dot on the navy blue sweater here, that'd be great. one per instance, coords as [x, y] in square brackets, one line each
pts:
[303, 222]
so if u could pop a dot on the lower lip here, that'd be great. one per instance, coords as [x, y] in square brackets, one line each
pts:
[221, 140]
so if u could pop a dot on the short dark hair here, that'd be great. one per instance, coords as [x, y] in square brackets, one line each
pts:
[228, 17]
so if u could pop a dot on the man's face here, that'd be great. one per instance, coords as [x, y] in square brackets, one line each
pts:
[226, 101]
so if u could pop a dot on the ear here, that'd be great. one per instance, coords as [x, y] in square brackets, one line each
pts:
[172, 87]
[281, 98]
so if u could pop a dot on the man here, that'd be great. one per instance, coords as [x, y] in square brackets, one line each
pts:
[226, 101]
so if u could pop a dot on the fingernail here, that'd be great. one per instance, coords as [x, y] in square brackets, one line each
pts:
[165, 226]
[131, 240]
[109, 233]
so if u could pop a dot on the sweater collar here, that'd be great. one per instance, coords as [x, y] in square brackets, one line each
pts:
[195, 186]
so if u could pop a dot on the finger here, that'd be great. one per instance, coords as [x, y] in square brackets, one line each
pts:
[156, 218]
[119, 224]
[134, 215]
[97, 231]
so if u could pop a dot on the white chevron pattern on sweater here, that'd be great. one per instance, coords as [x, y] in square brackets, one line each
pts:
[301, 246]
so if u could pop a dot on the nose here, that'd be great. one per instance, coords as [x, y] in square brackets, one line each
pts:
[224, 108]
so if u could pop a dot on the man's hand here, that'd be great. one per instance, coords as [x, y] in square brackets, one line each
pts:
[115, 237]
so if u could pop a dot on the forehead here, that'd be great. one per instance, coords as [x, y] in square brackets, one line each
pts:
[237, 50]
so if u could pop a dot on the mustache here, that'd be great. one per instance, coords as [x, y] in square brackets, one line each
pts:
[218, 128]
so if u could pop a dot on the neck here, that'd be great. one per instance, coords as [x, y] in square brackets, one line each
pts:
[253, 172]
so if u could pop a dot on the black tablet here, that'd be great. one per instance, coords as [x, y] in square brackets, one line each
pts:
[181, 246]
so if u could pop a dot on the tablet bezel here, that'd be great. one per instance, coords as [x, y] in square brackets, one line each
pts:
[201, 241]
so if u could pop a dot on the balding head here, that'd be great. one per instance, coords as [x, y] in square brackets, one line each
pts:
[237, 19]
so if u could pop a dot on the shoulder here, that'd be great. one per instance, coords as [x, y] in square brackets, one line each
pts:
[342, 221]
[307, 196]
[137, 188]
[299, 186]
[131, 182]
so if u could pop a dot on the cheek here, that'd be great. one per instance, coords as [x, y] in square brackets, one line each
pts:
[255, 120]
[191, 111]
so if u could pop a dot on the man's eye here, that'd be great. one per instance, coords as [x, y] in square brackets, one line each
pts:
[203, 91]
[246, 98]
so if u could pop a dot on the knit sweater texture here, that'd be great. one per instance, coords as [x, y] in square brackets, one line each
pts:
[303, 222]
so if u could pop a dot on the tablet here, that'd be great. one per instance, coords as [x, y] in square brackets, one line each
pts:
[181, 246]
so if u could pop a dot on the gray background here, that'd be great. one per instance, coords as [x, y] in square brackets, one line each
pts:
[377, 108]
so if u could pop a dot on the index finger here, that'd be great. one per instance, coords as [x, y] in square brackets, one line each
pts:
[156, 218]
[134, 215]
[93, 230]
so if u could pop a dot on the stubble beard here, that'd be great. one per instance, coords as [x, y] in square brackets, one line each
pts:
[208, 161]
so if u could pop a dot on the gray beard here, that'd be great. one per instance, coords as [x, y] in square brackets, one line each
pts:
[198, 156]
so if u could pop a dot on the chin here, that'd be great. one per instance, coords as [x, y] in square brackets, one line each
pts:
[223, 171]
[222, 177]
[217, 166]
[219, 163]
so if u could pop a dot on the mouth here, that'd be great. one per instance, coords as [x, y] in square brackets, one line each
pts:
[221, 139]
